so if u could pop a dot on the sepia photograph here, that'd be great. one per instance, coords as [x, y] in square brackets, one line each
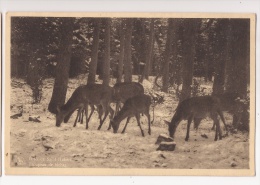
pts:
[130, 94]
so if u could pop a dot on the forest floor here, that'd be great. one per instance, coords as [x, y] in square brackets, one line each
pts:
[76, 147]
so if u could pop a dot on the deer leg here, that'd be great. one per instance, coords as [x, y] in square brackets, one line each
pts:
[100, 112]
[78, 118]
[102, 121]
[127, 121]
[223, 120]
[139, 124]
[92, 111]
[86, 114]
[197, 123]
[117, 108]
[215, 121]
[105, 108]
[153, 116]
[111, 111]
[149, 123]
[78, 115]
[82, 115]
[214, 125]
[188, 128]
[218, 129]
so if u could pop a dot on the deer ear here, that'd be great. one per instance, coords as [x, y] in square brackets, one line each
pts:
[166, 122]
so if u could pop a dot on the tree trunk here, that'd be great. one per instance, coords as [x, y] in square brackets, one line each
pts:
[149, 52]
[237, 70]
[143, 52]
[106, 64]
[152, 60]
[63, 65]
[238, 65]
[190, 35]
[206, 68]
[122, 50]
[165, 68]
[219, 77]
[94, 53]
[222, 50]
[128, 57]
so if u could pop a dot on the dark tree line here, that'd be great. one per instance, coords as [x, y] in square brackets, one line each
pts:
[175, 50]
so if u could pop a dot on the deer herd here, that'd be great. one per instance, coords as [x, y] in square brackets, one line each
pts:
[135, 103]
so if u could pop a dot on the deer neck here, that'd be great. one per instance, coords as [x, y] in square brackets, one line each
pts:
[70, 106]
[121, 116]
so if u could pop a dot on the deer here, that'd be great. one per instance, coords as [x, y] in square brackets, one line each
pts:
[230, 102]
[197, 108]
[91, 94]
[81, 111]
[121, 92]
[125, 90]
[133, 106]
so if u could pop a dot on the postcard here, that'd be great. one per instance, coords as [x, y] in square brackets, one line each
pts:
[130, 94]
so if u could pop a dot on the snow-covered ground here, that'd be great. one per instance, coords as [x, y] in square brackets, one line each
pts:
[43, 144]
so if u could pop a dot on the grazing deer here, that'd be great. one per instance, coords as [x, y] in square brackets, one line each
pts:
[125, 90]
[197, 108]
[80, 114]
[230, 102]
[133, 107]
[92, 94]
[121, 92]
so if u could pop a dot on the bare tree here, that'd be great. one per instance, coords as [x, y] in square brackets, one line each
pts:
[190, 35]
[149, 52]
[222, 51]
[122, 51]
[168, 48]
[62, 68]
[94, 52]
[106, 64]
[128, 57]
[238, 66]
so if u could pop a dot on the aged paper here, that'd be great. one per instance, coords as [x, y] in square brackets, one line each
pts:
[35, 146]
[1, 94]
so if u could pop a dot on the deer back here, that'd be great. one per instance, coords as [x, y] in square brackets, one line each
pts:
[135, 105]
[199, 107]
[230, 102]
[125, 90]
[96, 93]
[77, 98]
[138, 104]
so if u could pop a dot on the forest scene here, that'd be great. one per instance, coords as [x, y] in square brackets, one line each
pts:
[183, 84]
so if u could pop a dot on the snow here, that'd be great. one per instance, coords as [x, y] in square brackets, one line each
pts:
[45, 145]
